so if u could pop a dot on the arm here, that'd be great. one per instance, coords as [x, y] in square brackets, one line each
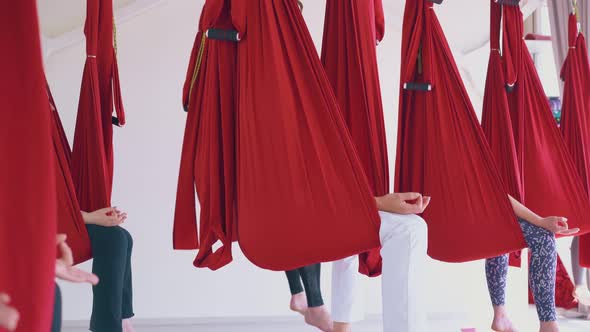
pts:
[107, 217]
[557, 225]
[402, 203]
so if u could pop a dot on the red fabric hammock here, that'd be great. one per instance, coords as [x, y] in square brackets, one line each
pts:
[27, 189]
[442, 151]
[208, 153]
[349, 56]
[551, 185]
[497, 125]
[575, 120]
[69, 218]
[302, 195]
[92, 153]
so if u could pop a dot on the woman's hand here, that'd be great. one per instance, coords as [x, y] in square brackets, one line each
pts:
[557, 225]
[63, 265]
[8, 315]
[107, 217]
[403, 203]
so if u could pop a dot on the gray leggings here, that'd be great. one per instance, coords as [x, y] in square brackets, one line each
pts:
[577, 270]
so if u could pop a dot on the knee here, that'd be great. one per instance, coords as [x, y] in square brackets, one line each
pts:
[114, 243]
[545, 244]
[418, 228]
[129, 238]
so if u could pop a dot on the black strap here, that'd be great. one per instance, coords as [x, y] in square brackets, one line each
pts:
[438, 2]
[115, 121]
[418, 86]
[227, 35]
[510, 88]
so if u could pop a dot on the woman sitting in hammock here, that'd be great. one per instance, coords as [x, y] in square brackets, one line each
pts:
[539, 234]
[111, 248]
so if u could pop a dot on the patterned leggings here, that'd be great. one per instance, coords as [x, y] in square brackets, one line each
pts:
[542, 270]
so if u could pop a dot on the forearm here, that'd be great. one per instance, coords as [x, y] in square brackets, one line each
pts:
[525, 213]
[85, 217]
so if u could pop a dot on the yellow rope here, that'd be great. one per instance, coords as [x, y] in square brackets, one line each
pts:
[197, 65]
[114, 35]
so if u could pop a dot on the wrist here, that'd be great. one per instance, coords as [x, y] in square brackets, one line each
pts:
[378, 203]
[86, 217]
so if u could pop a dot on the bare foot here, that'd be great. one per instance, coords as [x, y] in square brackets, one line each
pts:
[549, 327]
[127, 326]
[342, 327]
[501, 322]
[320, 318]
[299, 303]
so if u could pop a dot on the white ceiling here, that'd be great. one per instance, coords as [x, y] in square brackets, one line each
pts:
[60, 16]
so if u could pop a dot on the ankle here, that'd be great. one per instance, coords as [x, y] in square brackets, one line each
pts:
[549, 327]
[342, 327]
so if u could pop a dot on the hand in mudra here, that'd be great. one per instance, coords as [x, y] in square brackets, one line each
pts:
[403, 203]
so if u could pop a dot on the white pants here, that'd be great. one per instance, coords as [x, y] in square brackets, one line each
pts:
[404, 243]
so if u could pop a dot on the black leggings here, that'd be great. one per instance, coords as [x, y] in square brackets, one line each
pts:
[113, 297]
[56, 324]
[310, 275]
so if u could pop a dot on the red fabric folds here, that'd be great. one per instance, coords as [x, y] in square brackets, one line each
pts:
[442, 151]
[27, 186]
[92, 152]
[208, 154]
[551, 185]
[575, 123]
[69, 218]
[349, 56]
[302, 194]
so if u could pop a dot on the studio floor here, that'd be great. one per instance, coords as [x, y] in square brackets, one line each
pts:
[526, 323]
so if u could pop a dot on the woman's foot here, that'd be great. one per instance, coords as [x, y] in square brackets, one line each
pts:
[299, 303]
[501, 322]
[320, 318]
[127, 326]
[549, 327]
[342, 327]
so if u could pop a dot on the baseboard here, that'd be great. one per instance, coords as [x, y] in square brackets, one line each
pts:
[243, 321]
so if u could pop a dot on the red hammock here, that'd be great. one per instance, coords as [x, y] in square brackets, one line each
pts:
[208, 153]
[92, 153]
[551, 185]
[69, 218]
[27, 191]
[442, 151]
[302, 195]
[349, 56]
[575, 119]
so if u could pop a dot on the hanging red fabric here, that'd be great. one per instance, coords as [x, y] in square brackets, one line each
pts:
[92, 153]
[575, 119]
[27, 187]
[442, 151]
[300, 184]
[69, 220]
[551, 185]
[208, 153]
[349, 56]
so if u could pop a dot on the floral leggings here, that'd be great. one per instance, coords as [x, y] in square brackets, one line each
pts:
[542, 270]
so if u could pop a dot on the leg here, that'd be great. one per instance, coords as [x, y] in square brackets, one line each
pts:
[127, 307]
[298, 299]
[346, 293]
[542, 272]
[110, 246]
[404, 240]
[317, 314]
[56, 324]
[496, 276]
[582, 292]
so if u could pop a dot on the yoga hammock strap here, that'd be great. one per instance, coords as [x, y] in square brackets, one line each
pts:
[215, 34]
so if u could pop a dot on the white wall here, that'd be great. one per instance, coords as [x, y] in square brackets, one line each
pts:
[153, 53]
